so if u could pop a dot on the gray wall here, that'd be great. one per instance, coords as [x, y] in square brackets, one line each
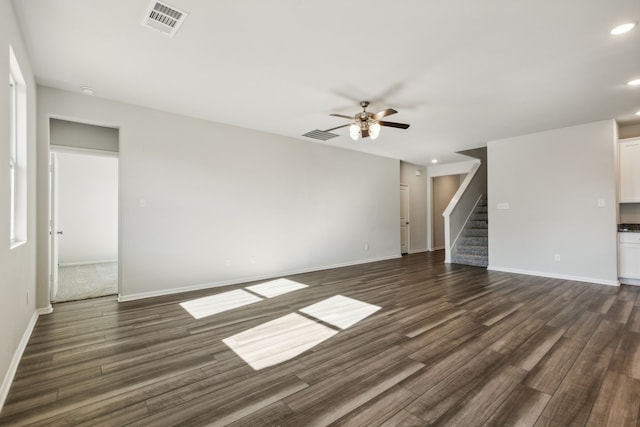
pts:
[205, 204]
[630, 213]
[444, 187]
[418, 205]
[17, 266]
[81, 135]
[552, 181]
[629, 131]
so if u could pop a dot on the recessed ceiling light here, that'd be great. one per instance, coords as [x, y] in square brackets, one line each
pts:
[624, 28]
[637, 113]
[634, 82]
[434, 161]
[87, 90]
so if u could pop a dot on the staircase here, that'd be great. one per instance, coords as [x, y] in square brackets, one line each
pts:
[472, 247]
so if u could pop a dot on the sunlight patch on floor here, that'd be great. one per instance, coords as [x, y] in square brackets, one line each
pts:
[276, 287]
[214, 304]
[340, 311]
[279, 340]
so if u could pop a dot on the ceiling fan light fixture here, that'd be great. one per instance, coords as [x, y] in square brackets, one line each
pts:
[374, 130]
[354, 131]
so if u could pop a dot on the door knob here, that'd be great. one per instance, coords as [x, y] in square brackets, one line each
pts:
[59, 232]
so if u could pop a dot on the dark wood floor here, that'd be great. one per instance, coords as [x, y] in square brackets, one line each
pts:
[452, 345]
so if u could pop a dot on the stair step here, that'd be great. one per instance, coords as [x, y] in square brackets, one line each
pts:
[473, 241]
[475, 232]
[473, 246]
[477, 224]
[475, 260]
[471, 250]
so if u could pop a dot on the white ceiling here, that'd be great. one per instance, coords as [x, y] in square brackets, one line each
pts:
[461, 72]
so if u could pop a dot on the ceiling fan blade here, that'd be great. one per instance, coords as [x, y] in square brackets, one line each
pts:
[338, 127]
[342, 115]
[384, 113]
[364, 133]
[394, 124]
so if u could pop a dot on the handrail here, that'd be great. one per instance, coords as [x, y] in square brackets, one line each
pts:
[461, 207]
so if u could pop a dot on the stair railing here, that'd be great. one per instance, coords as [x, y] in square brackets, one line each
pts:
[461, 206]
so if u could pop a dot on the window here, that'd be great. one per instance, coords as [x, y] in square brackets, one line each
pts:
[17, 154]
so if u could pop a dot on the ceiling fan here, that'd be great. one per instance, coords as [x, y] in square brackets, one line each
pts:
[363, 124]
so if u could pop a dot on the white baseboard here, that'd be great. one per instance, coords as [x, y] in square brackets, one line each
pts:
[189, 288]
[73, 264]
[437, 248]
[555, 276]
[17, 355]
[626, 281]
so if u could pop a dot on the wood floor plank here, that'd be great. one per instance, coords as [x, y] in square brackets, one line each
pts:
[450, 345]
[441, 397]
[404, 419]
[634, 320]
[377, 410]
[270, 415]
[522, 408]
[547, 375]
[535, 348]
[329, 409]
[572, 402]
[480, 403]
[626, 359]
[617, 402]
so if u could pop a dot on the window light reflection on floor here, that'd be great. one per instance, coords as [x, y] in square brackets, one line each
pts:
[214, 304]
[276, 287]
[340, 311]
[284, 338]
[279, 340]
[218, 303]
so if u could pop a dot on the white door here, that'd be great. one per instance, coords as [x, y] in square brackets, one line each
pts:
[54, 232]
[404, 218]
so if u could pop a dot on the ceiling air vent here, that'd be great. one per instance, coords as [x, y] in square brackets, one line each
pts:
[164, 18]
[322, 135]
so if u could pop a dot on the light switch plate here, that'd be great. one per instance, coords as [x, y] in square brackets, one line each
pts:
[502, 205]
[601, 203]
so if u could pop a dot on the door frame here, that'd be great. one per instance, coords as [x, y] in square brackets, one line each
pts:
[408, 219]
[53, 210]
[53, 225]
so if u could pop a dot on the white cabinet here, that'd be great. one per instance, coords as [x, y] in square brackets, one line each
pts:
[629, 258]
[630, 170]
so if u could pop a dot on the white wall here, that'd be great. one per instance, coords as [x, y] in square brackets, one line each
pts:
[87, 208]
[17, 266]
[417, 205]
[217, 197]
[552, 181]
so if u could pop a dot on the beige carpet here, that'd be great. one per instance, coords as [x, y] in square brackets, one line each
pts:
[87, 281]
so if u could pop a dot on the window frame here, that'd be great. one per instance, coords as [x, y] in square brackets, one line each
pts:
[17, 98]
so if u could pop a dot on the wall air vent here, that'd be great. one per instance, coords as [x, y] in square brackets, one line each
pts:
[164, 18]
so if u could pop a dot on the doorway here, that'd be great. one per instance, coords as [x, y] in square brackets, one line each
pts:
[444, 188]
[404, 219]
[84, 224]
